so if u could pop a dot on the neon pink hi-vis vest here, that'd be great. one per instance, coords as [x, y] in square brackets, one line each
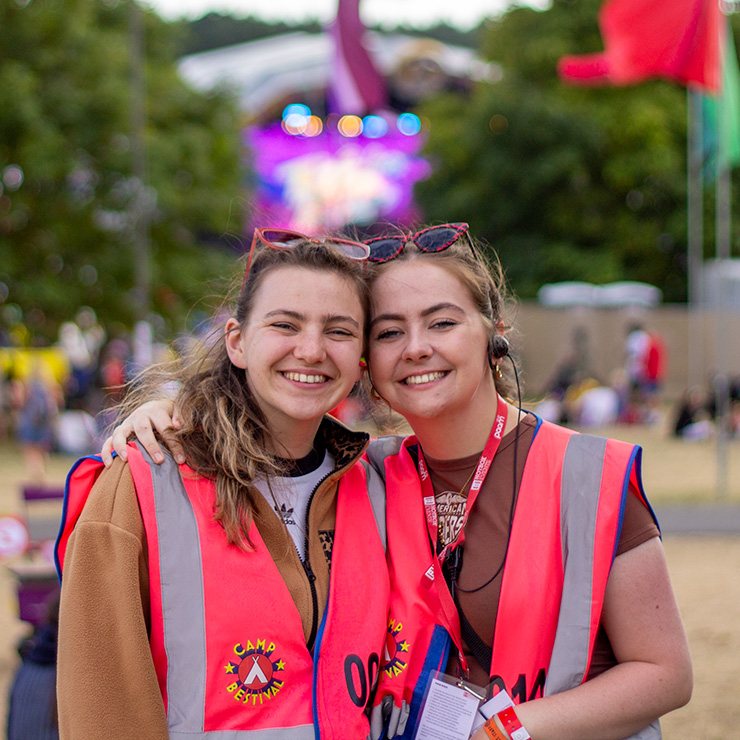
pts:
[563, 542]
[226, 638]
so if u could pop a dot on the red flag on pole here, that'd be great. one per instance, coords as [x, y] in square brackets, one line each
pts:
[674, 39]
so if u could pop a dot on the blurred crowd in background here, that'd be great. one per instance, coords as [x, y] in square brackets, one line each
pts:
[634, 391]
[63, 398]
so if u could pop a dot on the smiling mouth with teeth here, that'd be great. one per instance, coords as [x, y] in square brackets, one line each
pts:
[303, 378]
[425, 378]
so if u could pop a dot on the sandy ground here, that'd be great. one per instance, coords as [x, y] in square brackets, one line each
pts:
[704, 570]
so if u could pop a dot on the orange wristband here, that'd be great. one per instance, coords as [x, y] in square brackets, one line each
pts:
[493, 731]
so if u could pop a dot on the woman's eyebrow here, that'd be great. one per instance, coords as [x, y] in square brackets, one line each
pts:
[330, 319]
[327, 318]
[444, 306]
[284, 312]
[386, 317]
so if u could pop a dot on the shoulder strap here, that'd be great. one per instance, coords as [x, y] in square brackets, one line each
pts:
[376, 493]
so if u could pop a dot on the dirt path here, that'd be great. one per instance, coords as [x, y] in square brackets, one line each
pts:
[704, 571]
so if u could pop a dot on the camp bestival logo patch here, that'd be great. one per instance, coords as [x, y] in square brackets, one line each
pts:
[256, 672]
[396, 650]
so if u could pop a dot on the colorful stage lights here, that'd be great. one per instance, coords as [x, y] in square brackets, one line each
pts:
[350, 126]
[409, 124]
[299, 121]
[374, 127]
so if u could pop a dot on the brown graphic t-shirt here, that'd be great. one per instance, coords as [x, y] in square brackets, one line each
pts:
[450, 514]
[486, 537]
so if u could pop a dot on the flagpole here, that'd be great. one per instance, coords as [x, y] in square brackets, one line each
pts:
[695, 233]
[722, 333]
[722, 206]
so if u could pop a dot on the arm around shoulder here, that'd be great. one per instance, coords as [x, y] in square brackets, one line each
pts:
[106, 684]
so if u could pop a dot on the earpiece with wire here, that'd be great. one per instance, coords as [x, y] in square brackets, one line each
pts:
[498, 348]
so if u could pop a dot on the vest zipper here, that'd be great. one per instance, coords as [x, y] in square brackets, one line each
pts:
[307, 564]
[314, 605]
[309, 571]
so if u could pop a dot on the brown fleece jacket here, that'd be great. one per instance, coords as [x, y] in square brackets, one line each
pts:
[107, 687]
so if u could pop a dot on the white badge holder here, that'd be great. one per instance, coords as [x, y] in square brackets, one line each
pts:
[454, 709]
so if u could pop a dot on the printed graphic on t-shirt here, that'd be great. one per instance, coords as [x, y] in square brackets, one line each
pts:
[326, 536]
[286, 514]
[450, 512]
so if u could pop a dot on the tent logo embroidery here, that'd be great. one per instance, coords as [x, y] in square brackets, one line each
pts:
[254, 672]
[395, 651]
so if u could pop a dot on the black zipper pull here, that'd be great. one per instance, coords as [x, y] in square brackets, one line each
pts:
[309, 572]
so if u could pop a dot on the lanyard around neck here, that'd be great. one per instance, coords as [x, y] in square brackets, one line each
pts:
[434, 575]
[481, 471]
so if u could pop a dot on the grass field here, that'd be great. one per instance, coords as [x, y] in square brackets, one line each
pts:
[704, 570]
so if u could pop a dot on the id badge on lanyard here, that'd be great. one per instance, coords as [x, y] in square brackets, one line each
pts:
[433, 576]
[455, 709]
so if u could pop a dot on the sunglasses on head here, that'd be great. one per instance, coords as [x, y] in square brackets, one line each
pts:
[431, 239]
[287, 239]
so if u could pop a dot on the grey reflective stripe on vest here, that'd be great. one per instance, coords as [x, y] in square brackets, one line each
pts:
[304, 732]
[579, 502]
[388, 720]
[580, 485]
[183, 614]
[380, 448]
[376, 494]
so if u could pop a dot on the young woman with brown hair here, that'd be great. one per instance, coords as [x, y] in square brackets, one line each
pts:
[197, 599]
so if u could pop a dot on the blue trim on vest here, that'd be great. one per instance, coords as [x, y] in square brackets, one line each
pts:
[77, 464]
[316, 655]
[539, 423]
[623, 504]
[634, 461]
[637, 460]
[436, 660]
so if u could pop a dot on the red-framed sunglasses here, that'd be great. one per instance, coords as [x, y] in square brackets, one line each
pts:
[431, 239]
[287, 239]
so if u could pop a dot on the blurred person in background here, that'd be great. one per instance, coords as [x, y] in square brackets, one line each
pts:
[646, 364]
[32, 704]
[81, 340]
[36, 398]
[692, 418]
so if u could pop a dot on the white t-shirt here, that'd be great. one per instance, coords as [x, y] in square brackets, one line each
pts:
[290, 497]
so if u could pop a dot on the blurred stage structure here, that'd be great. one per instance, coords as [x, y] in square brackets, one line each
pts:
[329, 133]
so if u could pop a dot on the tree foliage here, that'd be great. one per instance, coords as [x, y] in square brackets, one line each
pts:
[67, 188]
[216, 30]
[565, 183]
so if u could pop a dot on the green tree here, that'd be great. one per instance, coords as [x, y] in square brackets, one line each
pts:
[565, 183]
[66, 175]
[215, 30]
